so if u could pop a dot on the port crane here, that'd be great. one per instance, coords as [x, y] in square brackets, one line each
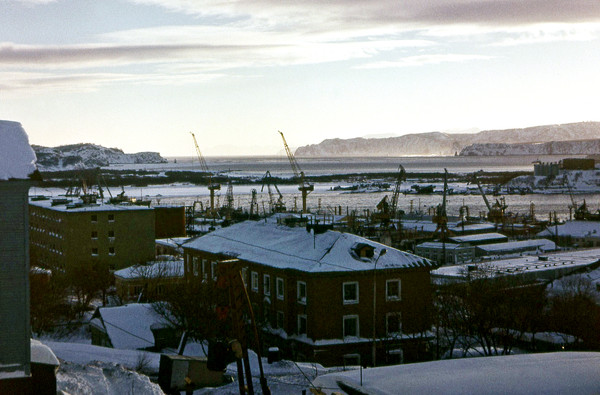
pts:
[277, 206]
[304, 187]
[387, 210]
[212, 187]
[440, 218]
[495, 212]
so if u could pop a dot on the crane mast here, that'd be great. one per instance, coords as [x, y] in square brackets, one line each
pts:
[212, 187]
[304, 187]
[401, 177]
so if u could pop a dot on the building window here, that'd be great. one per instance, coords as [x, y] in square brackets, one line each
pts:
[392, 289]
[94, 218]
[111, 218]
[94, 235]
[267, 284]
[111, 251]
[204, 269]
[301, 292]
[302, 324]
[280, 319]
[280, 290]
[351, 326]
[195, 265]
[245, 276]
[111, 233]
[254, 281]
[393, 324]
[94, 252]
[213, 270]
[350, 291]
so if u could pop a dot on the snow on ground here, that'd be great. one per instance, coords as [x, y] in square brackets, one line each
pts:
[103, 378]
[88, 369]
[549, 373]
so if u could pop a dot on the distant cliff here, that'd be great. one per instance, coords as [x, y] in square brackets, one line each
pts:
[68, 157]
[437, 143]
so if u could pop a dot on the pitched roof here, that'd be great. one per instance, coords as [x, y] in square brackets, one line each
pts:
[128, 326]
[283, 247]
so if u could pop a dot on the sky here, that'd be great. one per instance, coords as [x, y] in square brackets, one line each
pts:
[141, 75]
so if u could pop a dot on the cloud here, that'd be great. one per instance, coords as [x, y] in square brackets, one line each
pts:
[420, 60]
[368, 12]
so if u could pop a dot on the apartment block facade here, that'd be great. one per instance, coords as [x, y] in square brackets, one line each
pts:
[315, 294]
[63, 234]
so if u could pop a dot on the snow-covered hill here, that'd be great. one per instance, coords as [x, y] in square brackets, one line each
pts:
[579, 147]
[437, 143]
[68, 157]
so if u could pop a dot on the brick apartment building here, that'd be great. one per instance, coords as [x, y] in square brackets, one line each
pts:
[64, 233]
[313, 292]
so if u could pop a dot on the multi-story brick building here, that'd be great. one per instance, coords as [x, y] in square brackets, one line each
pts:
[64, 233]
[314, 293]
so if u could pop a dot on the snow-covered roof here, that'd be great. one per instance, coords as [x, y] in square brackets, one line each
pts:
[77, 206]
[547, 373]
[560, 262]
[17, 159]
[439, 245]
[128, 326]
[41, 353]
[473, 227]
[478, 237]
[542, 244]
[284, 247]
[173, 268]
[577, 229]
[421, 226]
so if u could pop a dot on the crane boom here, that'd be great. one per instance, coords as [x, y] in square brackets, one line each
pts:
[486, 201]
[212, 187]
[303, 187]
[203, 164]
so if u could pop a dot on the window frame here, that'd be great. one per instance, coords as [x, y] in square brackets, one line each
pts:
[356, 326]
[298, 326]
[267, 289]
[387, 323]
[393, 297]
[280, 290]
[299, 286]
[254, 281]
[350, 301]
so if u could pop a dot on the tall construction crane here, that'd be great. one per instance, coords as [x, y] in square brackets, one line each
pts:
[495, 212]
[304, 187]
[401, 177]
[278, 205]
[212, 187]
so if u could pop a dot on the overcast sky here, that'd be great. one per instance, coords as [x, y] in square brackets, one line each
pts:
[141, 74]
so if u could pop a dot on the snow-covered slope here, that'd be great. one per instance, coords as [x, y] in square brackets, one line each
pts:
[67, 157]
[579, 147]
[437, 143]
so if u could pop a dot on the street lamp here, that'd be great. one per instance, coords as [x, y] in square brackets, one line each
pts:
[381, 253]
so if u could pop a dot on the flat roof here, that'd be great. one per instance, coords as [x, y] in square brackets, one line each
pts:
[76, 208]
[564, 261]
[478, 237]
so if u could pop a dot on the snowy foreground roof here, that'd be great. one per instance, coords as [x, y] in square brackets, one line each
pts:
[284, 247]
[17, 159]
[129, 326]
[559, 263]
[549, 373]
